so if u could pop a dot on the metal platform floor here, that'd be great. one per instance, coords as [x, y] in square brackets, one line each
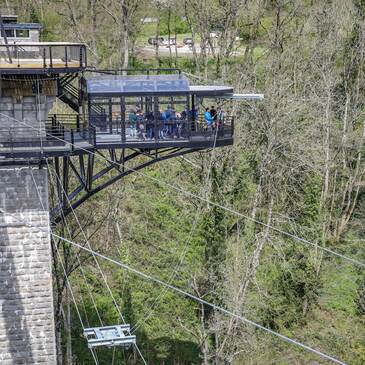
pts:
[104, 141]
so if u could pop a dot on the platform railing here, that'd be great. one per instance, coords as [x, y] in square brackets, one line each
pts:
[180, 129]
[53, 135]
[64, 133]
[42, 55]
[19, 138]
[159, 129]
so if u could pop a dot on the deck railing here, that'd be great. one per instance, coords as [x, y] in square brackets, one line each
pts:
[159, 129]
[45, 56]
[53, 135]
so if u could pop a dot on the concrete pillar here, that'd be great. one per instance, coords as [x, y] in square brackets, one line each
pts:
[27, 332]
[31, 111]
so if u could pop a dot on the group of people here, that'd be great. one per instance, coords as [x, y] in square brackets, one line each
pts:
[214, 118]
[170, 123]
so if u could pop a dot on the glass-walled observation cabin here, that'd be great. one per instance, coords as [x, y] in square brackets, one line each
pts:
[156, 107]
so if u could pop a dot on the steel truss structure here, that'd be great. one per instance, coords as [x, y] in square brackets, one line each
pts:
[80, 177]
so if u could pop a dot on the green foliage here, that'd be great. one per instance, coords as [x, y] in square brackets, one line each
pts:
[177, 25]
[312, 195]
[340, 289]
[293, 292]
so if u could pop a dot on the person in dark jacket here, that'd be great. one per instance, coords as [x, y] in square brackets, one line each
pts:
[150, 118]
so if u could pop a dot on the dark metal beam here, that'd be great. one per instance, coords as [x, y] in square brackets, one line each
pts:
[58, 216]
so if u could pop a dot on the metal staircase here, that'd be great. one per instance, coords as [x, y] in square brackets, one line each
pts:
[70, 95]
[67, 92]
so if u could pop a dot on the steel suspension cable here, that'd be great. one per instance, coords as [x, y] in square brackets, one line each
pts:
[195, 196]
[185, 293]
[78, 258]
[63, 268]
[73, 298]
[205, 302]
[81, 297]
[97, 263]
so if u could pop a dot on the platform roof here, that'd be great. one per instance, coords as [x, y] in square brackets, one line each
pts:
[131, 85]
[141, 85]
[210, 90]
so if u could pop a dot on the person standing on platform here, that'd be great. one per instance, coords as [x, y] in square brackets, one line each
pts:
[173, 123]
[168, 121]
[140, 125]
[221, 115]
[208, 119]
[213, 114]
[132, 119]
[161, 125]
[178, 125]
[150, 118]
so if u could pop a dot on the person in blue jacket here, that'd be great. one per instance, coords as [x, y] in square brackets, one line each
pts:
[208, 118]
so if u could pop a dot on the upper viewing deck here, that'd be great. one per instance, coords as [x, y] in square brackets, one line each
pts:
[21, 52]
[42, 57]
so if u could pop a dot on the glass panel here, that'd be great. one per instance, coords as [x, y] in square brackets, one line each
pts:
[143, 84]
[9, 33]
[22, 33]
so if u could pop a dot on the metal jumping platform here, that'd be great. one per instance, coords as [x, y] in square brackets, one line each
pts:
[109, 336]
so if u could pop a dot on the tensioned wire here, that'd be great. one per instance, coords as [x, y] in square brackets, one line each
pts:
[209, 304]
[185, 293]
[64, 270]
[78, 258]
[81, 269]
[70, 237]
[196, 196]
[98, 265]
[86, 240]
[73, 298]
[106, 283]
[79, 261]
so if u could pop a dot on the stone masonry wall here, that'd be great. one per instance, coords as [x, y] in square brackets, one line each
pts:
[26, 298]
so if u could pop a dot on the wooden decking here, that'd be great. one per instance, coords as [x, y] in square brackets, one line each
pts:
[37, 64]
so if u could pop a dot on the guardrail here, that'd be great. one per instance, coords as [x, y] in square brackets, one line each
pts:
[55, 135]
[159, 129]
[52, 135]
[42, 56]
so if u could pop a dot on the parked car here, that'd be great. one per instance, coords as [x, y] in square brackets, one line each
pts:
[169, 42]
[188, 41]
[154, 41]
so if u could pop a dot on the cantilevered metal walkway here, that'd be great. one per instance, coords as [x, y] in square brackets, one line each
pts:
[24, 142]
